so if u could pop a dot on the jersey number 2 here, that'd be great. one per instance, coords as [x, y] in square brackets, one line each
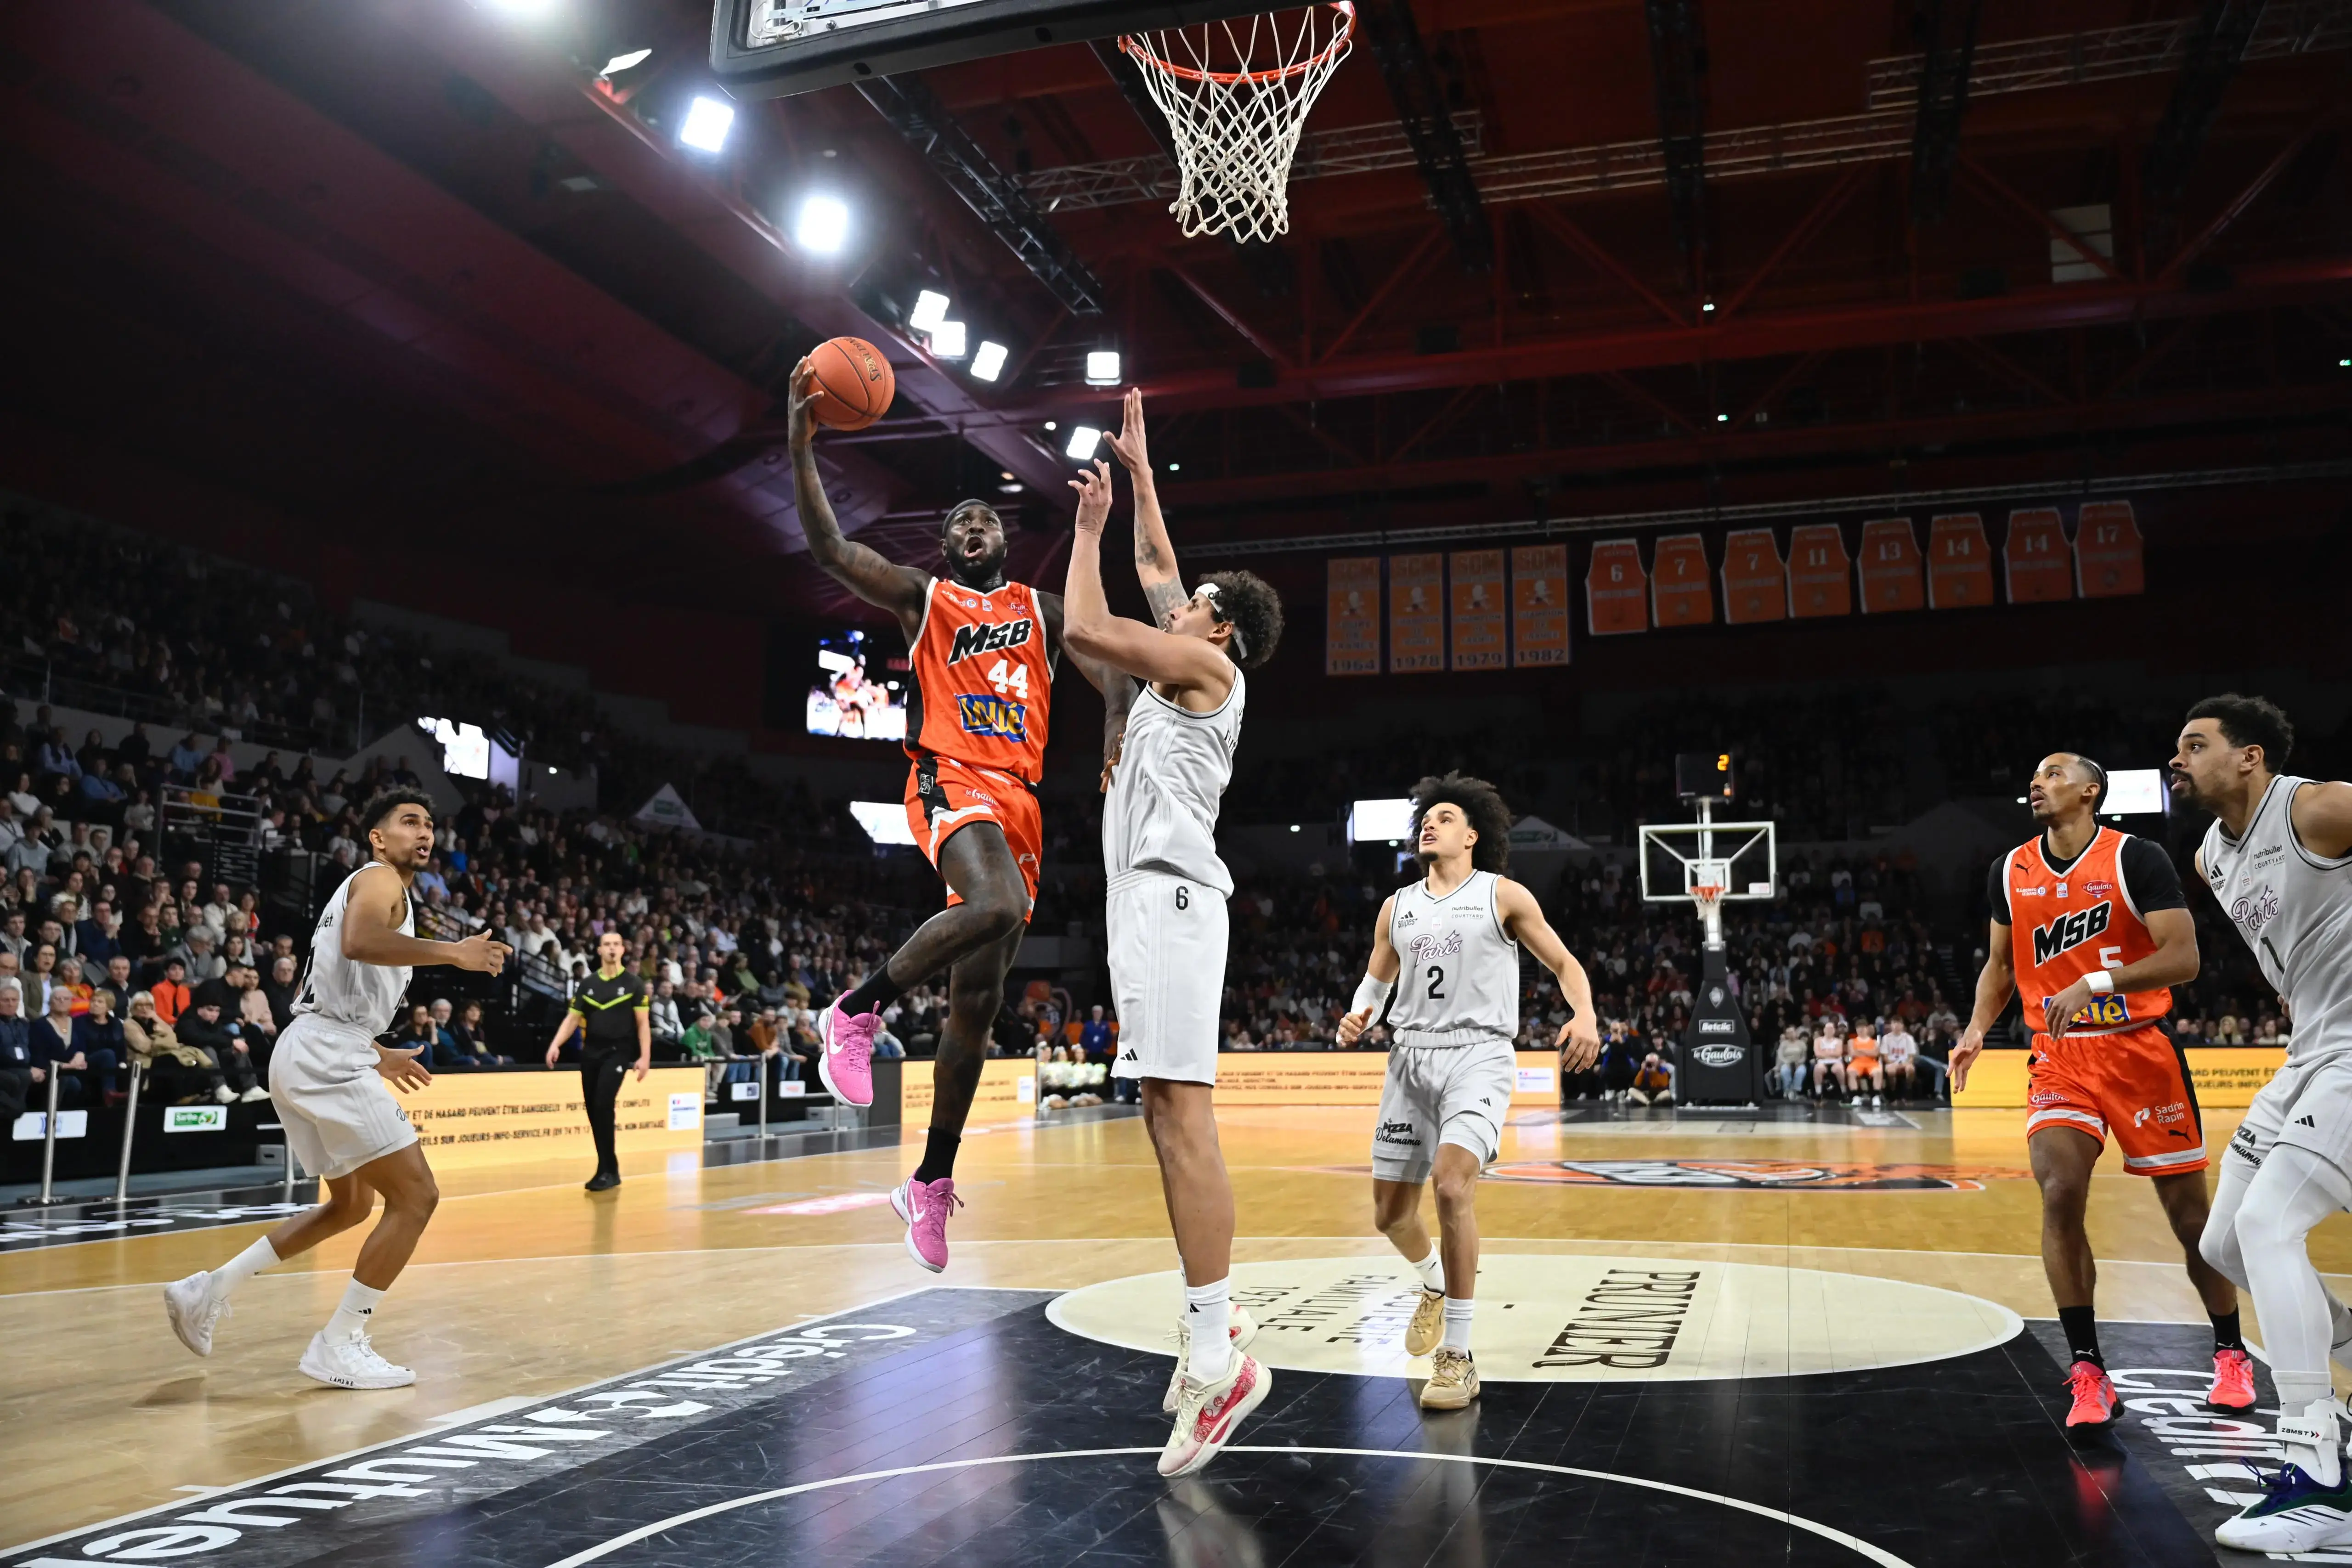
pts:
[1436, 978]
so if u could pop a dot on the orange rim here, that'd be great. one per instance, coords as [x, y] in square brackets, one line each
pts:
[1132, 44]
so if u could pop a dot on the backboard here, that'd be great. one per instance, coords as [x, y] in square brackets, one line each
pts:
[1741, 858]
[773, 48]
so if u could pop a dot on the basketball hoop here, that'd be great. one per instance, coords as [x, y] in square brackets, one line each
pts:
[1237, 95]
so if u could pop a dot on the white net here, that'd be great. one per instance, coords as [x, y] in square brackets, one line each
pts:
[1237, 95]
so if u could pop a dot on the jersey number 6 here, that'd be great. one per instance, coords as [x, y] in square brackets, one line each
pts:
[1183, 897]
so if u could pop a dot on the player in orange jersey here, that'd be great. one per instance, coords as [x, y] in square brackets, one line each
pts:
[983, 653]
[2090, 927]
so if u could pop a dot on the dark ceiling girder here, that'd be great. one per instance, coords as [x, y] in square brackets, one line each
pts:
[1946, 31]
[1746, 336]
[996, 198]
[1678, 70]
[1428, 122]
[2216, 45]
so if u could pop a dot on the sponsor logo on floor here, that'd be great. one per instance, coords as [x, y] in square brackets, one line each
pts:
[1782, 1175]
[1567, 1318]
[301, 1515]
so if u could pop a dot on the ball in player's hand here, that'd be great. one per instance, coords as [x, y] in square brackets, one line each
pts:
[854, 384]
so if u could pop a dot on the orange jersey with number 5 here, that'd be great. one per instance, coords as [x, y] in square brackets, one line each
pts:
[983, 679]
[2064, 926]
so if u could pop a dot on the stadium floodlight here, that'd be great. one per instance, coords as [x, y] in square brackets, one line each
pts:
[947, 341]
[989, 363]
[626, 61]
[885, 821]
[1082, 440]
[1102, 366]
[931, 310]
[823, 226]
[706, 124]
[1380, 822]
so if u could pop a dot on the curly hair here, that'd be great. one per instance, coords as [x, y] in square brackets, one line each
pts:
[1481, 803]
[2251, 721]
[1254, 608]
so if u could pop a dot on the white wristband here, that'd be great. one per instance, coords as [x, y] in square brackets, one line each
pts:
[2100, 981]
[1372, 994]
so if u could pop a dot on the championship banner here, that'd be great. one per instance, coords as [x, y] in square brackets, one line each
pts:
[2108, 552]
[1959, 563]
[1680, 593]
[1616, 590]
[1755, 582]
[1891, 575]
[1352, 622]
[1821, 574]
[1478, 591]
[1416, 613]
[1538, 605]
[2036, 560]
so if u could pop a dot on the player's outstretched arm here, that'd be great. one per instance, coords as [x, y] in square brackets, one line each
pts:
[372, 918]
[1091, 629]
[863, 571]
[1996, 983]
[1523, 919]
[1381, 973]
[1155, 556]
[2322, 816]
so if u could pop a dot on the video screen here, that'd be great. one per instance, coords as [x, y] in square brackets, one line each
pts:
[856, 694]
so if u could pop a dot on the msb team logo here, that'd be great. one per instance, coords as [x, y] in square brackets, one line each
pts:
[2071, 931]
[989, 638]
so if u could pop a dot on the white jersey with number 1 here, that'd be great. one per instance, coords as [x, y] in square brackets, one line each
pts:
[2294, 910]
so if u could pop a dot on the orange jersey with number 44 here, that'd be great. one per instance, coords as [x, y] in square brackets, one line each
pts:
[983, 679]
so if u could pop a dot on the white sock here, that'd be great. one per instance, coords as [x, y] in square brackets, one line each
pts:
[358, 1311]
[1208, 1313]
[243, 1266]
[1431, 1270]
[1457, 1322]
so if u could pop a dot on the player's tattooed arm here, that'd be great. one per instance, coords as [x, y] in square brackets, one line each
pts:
[864, 572]
[1523, 918]
[1155, 556]
[2322, 815]
[1147, 652]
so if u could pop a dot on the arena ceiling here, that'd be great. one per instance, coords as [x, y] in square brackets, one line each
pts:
[417, 263]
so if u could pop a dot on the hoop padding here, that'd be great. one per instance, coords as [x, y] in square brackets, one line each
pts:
[1237, 95]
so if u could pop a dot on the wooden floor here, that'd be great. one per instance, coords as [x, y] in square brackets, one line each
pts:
[526, 1286]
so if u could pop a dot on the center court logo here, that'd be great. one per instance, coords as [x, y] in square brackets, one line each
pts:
[1567, 1318]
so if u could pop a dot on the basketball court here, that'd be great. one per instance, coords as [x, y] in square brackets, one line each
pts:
[1740, 1330]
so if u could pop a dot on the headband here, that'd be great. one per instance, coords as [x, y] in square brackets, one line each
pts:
[1240, 643]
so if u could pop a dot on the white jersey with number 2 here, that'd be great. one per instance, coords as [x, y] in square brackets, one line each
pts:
[336, 990]
[1459, 984]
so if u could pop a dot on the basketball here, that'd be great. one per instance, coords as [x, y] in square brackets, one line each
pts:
[854, 383]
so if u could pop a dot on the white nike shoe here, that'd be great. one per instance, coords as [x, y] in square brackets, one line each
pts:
[1243, 1330]
[189, 1304]
[352, 1363]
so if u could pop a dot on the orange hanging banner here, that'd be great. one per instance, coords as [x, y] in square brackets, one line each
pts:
[2036, 560]
[1680, 593]
[1891, 576]
[1959, 563]
[1540, 605]
[1821, 575]
[1616, 588]
[1755, 581]
[1351, 617]
[1416, 613]
[2107, 560]
[1478, 591]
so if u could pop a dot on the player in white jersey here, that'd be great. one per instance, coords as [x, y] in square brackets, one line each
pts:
[2279, 859]
[1454, 938]
[1166, 895]
[327, 1080]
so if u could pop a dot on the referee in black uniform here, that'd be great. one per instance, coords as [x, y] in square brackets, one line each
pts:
[612, 1015]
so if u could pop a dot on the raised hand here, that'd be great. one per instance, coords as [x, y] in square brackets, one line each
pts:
[800, 423]
[1128, 445]
[1093, 486]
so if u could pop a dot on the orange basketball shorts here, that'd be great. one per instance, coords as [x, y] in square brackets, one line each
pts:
[944, 796]
[2133, 1085]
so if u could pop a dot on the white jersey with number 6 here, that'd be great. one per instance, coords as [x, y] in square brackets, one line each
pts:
[365, 996]
[1172, 770]
[1459, 984]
